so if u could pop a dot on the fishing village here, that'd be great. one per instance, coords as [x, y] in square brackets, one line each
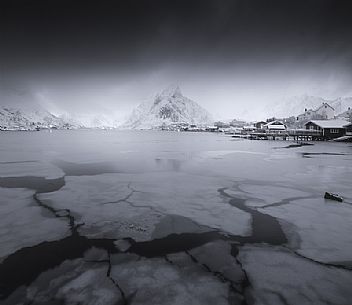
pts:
[320, 124]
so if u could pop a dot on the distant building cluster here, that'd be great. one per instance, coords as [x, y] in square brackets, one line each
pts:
[318, 124]
[321, 123]
[314, 124]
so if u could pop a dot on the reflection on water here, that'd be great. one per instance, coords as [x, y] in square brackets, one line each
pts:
[169, 164]
[85, 169]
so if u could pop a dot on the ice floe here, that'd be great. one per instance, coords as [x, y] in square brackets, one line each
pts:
[78, 281]
[126, 205]
[25, 224]
[324, 227]
[30, 168]
[156, 281]
[277, 276]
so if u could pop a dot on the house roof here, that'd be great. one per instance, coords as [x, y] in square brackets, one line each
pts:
[322, 105]
[277, 127]
[329, 123]
[274, 123]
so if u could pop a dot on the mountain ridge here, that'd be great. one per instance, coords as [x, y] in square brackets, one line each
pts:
[168, 107]
[26, 118]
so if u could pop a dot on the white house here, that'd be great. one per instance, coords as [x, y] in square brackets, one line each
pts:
[275, 126]
[323, 112]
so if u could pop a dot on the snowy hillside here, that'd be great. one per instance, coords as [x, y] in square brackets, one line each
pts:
[26, 118]
[170, 106]
[296, 105]
[341, 104]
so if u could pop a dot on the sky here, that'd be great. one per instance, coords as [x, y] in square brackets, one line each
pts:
[232, 57]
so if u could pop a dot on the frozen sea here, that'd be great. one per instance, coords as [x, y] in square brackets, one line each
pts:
[148, 217]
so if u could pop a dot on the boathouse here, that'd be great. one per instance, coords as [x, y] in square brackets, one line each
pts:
[348, 129]
[330, 129]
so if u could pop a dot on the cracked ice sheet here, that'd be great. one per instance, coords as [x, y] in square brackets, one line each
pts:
[217, 256]
[278, 276]
[98, 201]
[72, 282]
[324, 227]
[37, 169]
[157, 282]
[264, 194]
[25, 224]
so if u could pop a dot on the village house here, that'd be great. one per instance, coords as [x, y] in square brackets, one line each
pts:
[323, 112]
[330, 129]
[260, 124]
[275, 126]
[348, 129]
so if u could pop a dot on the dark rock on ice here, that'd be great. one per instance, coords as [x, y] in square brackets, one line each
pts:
[332, 196]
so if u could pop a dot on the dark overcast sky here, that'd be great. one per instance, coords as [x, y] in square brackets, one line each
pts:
[53, 39]
[104, 33]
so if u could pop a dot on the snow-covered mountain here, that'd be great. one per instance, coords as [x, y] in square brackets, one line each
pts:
[30, 118]
[296, 105]
[341, 104]
[168, 107]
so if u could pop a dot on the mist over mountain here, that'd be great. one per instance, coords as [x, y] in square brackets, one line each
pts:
[169, 106]
[99, 120]
[296, 105]
[28, 118]
[24, 109]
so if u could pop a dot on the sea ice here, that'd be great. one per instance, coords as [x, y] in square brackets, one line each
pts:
[277, 276]
[217, 256]
[268, 194]
[78, 281]
[25, 224]
[324, 227]
[130, 205]
[155, 281]
[103, 204]
[30, 168]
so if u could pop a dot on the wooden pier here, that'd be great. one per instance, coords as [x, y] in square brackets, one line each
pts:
[291, 134]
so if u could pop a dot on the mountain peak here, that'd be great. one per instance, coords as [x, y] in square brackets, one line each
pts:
[168, 107]
[172, 90]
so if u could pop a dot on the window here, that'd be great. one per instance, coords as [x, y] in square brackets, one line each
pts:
[334, 130]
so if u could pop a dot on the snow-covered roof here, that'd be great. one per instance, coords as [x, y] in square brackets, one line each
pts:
[329, 123]
[323, 105]
[276, 127]
[274, 123]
